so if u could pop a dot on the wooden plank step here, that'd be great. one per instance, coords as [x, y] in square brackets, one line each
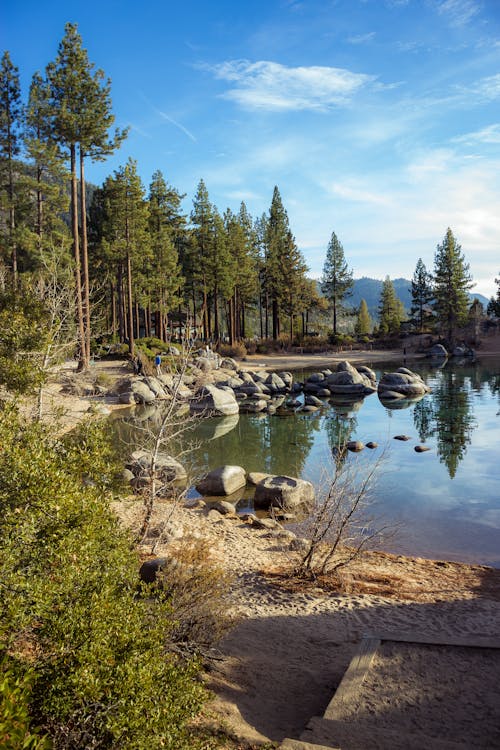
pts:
[355, 736]
[473, 641]
[301, 745]
[348, 690]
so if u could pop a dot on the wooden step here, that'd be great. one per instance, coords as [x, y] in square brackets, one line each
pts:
[354, 735]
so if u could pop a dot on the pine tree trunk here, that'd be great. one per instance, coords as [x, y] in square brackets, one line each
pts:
[275, 320]
[85, 264]
[76, 255]
[130, 311]
[113, 309]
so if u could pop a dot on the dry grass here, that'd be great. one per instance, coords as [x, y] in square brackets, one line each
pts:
[401, 578]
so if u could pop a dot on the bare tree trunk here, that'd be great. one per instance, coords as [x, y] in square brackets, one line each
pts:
[76, 255]
[85, 264]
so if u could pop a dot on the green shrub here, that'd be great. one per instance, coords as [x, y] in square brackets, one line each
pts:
[15, 732]
[232, 350]
[71, 611]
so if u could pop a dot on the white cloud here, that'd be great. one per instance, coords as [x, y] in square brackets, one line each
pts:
[272, 86]
[358, 194]
[459, 12]
[490, 134]
[361, 38]
[487, 88]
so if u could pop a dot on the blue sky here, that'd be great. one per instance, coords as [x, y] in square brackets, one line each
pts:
[377, 119]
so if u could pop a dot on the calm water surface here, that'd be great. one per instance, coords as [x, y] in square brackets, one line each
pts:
[447, 499]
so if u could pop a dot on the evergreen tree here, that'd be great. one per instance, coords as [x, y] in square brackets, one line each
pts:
[10, 123]
[295, 287]
[46, 180]
[391, 309]
[276, 249]
[337, 280]
[494, 303]
[125, 229]
[452, 282]
[164, 278]
[364, 323]
[422, 294]
[200, 252]
[81, 104]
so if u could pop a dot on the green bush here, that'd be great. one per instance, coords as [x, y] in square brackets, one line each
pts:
[237, 349]
[72, 613]
[15, 732]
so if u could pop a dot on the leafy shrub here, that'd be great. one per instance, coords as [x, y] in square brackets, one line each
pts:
[232, 350]
[340, 339]
[71, 611]
[313, 344]
[15, 732]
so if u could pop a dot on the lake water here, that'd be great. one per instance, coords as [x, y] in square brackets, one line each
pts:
[447, 500]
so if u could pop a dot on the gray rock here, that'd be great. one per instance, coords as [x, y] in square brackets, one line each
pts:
[155, 385]
[309, 408]
[402, 381]
[254, 477]
[421, 448]
[228, 363]
[142, 393]
[348, 380]
[265, 523]
[310, 400]
[225, 508]
[404, 438]
[127, 475]
[212, 401]
[283, 492]
[372, 445]
[253, 406]
[222, 481]
[174, 351]
[275, 383]
[127, 397]
[437, 351]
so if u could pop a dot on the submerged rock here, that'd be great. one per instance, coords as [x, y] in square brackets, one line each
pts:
[212, 401]
[283, 492]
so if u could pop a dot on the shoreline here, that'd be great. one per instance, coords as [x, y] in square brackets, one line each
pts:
[292, 642]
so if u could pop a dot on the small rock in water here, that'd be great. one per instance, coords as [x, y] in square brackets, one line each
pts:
[421, 448]
[401, 437]
[355, 446]
[372, 444]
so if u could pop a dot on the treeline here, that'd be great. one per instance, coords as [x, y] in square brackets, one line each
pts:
[139, 263]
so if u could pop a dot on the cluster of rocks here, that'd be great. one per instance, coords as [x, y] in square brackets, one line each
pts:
[345, 380]
[402, 384]
[271, 491]
[439, 352]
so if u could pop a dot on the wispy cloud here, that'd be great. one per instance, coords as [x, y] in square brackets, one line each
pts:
[177, 125]
[140, 131]
[487, 88]
[458, 12]
[362, 38]
[490, 134]
[272, 86]
[357, 194]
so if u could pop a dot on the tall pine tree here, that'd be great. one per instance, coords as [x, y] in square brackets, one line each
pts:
[10, 124]
[337, 280]
[80, 98]
[391, 309]
[452, 282]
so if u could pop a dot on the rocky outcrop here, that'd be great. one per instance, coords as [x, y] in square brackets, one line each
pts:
[437, 352]
[283, 492]
[222, 481]
[402, 383]
[348, 380]
[212, 401]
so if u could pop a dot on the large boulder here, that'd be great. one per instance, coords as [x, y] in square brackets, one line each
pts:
[348, 380]
[212, 401]
[275, 383]
[283, 492]
[402, 381]
[142, 393]
[222, 481]
[168, 469]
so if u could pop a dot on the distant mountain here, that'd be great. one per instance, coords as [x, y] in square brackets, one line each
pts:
[371, 289]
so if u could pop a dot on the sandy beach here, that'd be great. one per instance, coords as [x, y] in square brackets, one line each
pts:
[282, 662]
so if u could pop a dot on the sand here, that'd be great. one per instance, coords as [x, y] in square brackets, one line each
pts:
[281, 663]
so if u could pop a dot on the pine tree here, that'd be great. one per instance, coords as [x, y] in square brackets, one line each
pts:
[494, 303]
[391, 309]
[422, 294]
[241, 241]
[452, 282]
[125, 230]
[47, 228]
[295, 288]
[10, 124]
[164, 279]
[337, 280]
[276, 249]
[82, 117]
[364, 323]
[200, 252]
